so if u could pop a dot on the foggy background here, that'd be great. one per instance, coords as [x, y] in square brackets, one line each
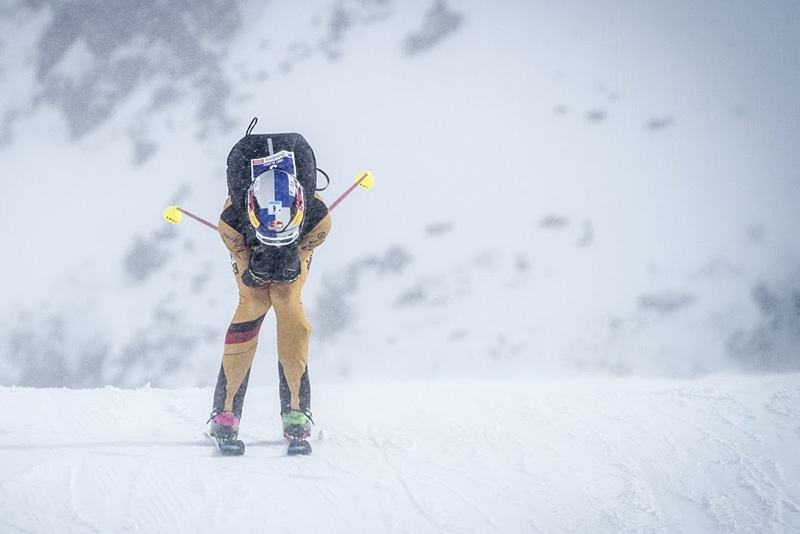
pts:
[560, 187]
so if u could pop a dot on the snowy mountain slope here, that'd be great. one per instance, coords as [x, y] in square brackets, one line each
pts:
[590, 455]
[561, 186]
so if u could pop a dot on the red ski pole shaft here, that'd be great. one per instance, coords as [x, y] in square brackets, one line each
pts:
[349, 190]
[199, 219]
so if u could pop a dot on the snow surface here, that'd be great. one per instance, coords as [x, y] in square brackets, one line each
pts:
[713, 455]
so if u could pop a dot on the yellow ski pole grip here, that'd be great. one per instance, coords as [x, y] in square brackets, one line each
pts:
[173, 214]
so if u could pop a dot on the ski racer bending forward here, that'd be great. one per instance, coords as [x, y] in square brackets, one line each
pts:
[271, 222]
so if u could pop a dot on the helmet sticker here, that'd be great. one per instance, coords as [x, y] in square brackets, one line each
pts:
[283, 160]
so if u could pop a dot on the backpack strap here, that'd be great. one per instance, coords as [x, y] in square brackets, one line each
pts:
[252, 125]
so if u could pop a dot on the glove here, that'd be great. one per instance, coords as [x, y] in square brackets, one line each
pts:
[272, 264]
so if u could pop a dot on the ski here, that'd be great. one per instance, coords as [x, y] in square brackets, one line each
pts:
[298, 447]
[236, 447]
[227, 447]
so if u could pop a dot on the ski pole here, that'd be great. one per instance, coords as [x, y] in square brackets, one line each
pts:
[174, 214]
[365, 180]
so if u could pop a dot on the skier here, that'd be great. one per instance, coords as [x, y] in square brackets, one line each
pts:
[271, 222]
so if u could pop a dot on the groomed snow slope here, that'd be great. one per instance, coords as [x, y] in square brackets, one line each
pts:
[588, 455]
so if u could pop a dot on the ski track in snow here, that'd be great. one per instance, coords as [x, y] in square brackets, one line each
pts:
[587, 455]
